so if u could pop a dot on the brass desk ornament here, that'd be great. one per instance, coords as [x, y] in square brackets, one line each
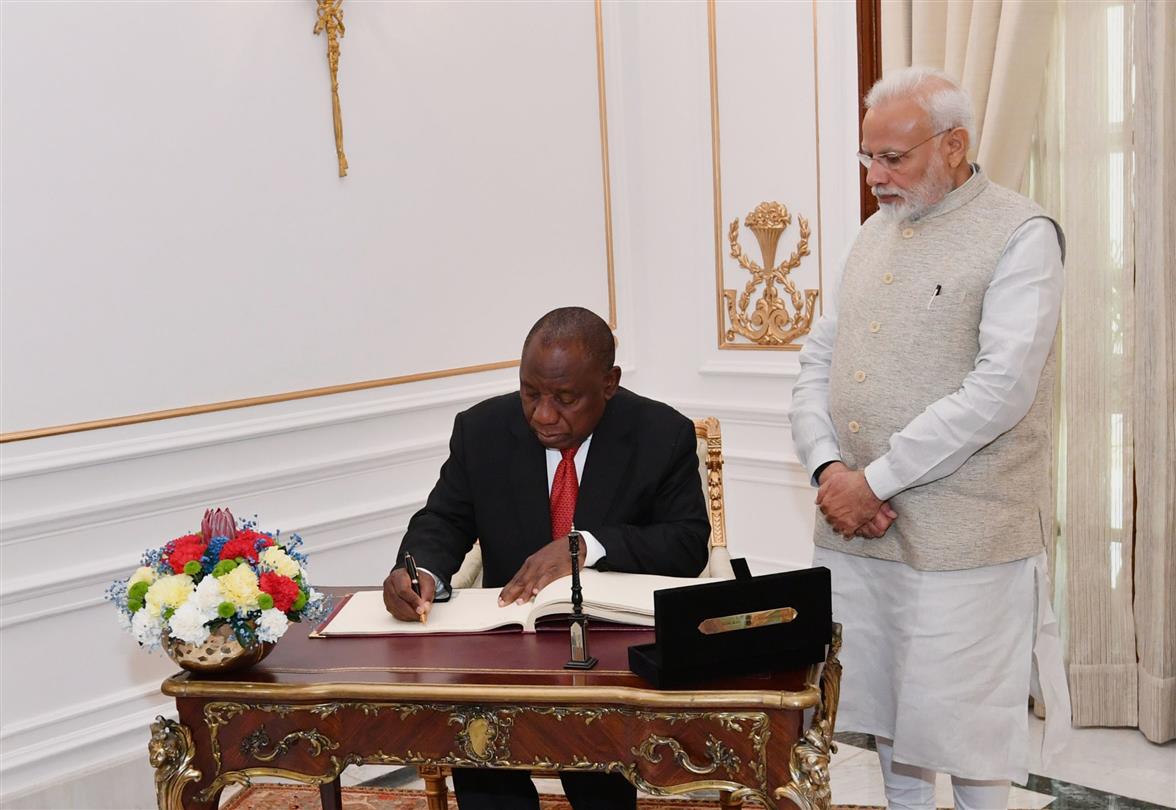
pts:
[579, 628]
[330, 19]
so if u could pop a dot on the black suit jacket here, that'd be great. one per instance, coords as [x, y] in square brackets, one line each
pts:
[640, 494]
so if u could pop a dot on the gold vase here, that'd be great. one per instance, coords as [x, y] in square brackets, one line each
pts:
[220, 652]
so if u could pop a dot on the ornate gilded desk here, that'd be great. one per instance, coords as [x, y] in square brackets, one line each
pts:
[316, 706]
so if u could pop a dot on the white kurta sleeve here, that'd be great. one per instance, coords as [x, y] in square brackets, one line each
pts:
[812, 428]
[1017, 327]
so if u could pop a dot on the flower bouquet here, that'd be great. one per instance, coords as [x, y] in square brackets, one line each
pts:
[217, 600]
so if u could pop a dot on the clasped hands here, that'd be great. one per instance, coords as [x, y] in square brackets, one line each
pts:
[850, 506]
[546, 565]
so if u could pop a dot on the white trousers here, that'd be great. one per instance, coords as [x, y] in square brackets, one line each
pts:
[911, 788]
[942, 662]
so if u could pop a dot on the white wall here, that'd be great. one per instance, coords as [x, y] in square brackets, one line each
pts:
[181, 155]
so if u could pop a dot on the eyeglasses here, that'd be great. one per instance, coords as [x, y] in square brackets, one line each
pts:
[892, 161]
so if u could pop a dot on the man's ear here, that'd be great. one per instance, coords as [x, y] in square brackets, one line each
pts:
[957, 146]
[612, 379]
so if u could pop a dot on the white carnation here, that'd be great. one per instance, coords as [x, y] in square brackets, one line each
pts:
[209, 595]
[146, 628]
[272, 625]
[187, 624]
[124, 621]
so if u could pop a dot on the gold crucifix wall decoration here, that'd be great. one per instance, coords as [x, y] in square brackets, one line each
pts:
[330, 19]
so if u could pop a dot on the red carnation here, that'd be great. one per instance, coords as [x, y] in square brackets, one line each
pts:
[253, 536]
[239, 547]
[184, 549]
[283, 589]
[245, 545]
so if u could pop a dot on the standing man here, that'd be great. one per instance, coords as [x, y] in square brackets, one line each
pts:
[570, 447]
[923, 410]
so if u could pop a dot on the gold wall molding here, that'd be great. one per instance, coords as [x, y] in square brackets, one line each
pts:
[330, 21]
[383, 382]
[769, 326]
[770, 323]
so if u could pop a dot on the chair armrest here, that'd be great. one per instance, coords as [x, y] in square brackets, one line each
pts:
[719, 564]
[470, 573]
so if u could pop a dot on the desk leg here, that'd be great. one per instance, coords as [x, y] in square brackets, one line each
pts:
[331, 794]
[171, 753]
[436, 793]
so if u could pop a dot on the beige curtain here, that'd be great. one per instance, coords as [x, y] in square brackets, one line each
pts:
[1154, 384]
[1075, 100]
[1095, 544]
[1113, 67]
[994, 48]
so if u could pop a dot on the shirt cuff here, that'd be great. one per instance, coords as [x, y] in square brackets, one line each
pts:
[882, 479]
[593, 551]
[821, 453]
[440, 589]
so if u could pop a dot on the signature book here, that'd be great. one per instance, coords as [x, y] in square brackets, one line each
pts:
[607, 595]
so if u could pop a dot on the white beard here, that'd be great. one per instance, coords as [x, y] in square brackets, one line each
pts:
[916, 200]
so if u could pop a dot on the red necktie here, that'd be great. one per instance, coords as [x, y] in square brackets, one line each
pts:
[564, 489]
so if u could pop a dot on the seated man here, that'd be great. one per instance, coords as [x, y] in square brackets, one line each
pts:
[571, 447]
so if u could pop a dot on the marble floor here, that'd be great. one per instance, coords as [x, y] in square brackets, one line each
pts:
[1100, 769]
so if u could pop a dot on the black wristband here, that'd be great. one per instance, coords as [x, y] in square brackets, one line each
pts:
[821, 469]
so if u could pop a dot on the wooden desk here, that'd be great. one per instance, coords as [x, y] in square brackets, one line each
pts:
[316, 706]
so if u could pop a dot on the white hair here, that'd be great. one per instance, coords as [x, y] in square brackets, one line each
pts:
[948, 105]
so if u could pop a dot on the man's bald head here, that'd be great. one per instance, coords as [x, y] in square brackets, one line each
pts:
[575, 325]
[567, 376]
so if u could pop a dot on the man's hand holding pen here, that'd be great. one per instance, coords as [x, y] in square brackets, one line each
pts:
[403, 600]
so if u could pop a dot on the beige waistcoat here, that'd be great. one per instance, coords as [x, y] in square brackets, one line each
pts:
[894, 356]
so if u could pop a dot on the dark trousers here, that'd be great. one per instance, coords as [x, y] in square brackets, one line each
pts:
[487, 789]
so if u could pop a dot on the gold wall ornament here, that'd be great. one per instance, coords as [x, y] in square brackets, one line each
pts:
[770, 323]
[171, 752]
[330, 19]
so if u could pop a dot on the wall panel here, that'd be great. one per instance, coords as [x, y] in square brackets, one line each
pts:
[176, 234]
[174, 164]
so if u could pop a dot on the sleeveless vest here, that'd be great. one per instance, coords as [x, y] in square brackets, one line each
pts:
[895, 354]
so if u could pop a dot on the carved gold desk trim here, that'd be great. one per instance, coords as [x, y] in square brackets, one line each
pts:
[801, 699]
[483, 738]
[723, 739]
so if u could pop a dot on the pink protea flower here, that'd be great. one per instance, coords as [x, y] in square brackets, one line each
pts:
[218, 524]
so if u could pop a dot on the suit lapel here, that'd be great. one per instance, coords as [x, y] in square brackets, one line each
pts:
[608, 456]
[528, 478]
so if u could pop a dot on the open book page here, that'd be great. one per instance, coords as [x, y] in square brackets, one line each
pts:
[469, 610]
[608, 595]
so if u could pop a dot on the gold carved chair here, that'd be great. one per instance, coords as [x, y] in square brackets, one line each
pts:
[710, 468]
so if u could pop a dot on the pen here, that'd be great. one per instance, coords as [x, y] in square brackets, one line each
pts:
[938, 288]
[414, 578]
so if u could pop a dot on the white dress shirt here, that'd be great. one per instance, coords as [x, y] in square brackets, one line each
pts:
[593, 549]
[1017, 326]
